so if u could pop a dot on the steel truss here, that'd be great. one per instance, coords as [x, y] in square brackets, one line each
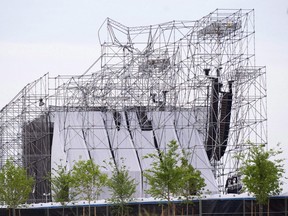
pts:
[206, 67]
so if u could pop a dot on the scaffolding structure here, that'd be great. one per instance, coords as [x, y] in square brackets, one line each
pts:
[205, 67]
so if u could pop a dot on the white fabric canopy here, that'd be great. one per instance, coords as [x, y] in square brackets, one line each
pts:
[109, 136]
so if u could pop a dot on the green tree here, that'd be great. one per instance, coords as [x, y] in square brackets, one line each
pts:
[121, 186]
[163, 176]
[262, 175]
[87, 180]
[191, 181]
[61, 181]
[171, 173]
[15, 185]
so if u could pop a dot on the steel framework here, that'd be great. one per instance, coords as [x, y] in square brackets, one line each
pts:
[206, 67]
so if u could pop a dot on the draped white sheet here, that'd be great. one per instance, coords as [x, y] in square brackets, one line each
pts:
[163, 127]
[123, 147]
[189, 140]
[97, 135]
[58, 154]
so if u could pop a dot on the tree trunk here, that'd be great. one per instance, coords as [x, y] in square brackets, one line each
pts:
[174, 209]
[192, 207]
[260, 210]
[168, 205]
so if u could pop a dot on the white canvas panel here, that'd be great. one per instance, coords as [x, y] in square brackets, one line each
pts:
[121, 141]
[74, 143]
[143, 140]
[96, 138]
[163, 126]
[95, 134]
[185, 124]
[144, 144]
[123, 147]
[58, 155]
[190, 140]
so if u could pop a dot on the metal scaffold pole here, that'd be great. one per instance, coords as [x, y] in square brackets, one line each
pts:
[193, 81]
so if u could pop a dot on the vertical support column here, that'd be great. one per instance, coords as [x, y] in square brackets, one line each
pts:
[286, 210]
[200, 207]
[243, 207]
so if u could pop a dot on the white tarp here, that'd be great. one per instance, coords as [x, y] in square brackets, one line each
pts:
[144, 145]
[96, 137]
[104, 136]
[123, 147]
[189, 140]
[58, 154]
[163, 127]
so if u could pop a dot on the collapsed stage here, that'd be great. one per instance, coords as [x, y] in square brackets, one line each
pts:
[192, 81]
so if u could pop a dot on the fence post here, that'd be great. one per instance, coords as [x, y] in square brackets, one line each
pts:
[139, 209]
[244, 207]
[200, 207]
[286, 206]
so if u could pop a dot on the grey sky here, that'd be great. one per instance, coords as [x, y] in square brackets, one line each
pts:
[60, 37]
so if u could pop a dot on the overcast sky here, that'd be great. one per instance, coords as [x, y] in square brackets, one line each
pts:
[60, 37]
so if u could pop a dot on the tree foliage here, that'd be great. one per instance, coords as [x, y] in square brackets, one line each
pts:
[262, 176]
[87, 180]
[171, 173]
[60, 184]
[191, 182]
[163, 176]
[15, 184]
[122, 187]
